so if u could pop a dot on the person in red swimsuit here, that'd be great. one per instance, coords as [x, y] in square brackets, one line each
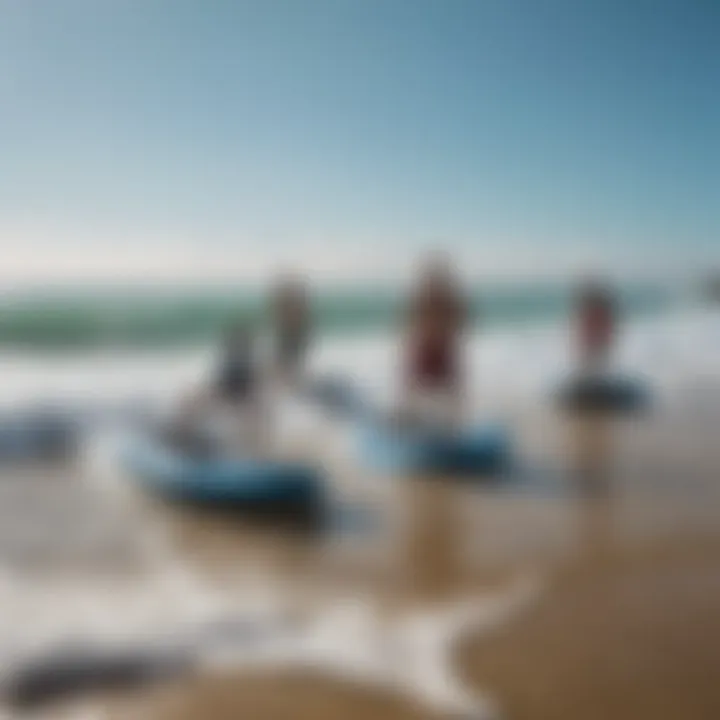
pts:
[436, 321]
[596, 320]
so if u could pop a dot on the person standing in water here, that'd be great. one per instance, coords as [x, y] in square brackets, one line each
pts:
[236, 380]
[595, 326]
[291, 328]
[228, 411]
[436, 321]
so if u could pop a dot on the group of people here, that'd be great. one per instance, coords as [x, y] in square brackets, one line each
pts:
[436, 318]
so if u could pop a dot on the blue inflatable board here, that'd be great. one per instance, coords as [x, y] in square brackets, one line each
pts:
[36, 436]
[604, 393]
[214, 480]
[477, 450]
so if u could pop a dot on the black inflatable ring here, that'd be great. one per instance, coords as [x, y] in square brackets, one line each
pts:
[606, 394]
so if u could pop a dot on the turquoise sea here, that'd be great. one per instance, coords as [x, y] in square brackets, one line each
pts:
[141, 317]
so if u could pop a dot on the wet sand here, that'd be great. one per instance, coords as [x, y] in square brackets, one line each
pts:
[620, 517]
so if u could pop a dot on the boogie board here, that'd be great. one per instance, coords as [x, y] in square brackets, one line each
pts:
[36, 436]
[604, 393]
[210, 479]
[479, 450]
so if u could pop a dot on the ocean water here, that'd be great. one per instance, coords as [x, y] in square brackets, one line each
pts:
[123, 344]
[516, 352]
[142, 318]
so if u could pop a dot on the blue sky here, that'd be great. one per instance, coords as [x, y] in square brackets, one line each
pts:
[520, 133]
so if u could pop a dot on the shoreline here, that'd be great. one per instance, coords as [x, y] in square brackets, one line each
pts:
[625, 629]
[620, 516]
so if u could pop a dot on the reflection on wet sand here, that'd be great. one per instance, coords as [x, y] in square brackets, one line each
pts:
[591, 446]
[592, 452]
[629, 630]
[431, 562]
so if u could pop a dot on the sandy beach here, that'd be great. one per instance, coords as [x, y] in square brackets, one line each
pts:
[628, 627]
[617, 516]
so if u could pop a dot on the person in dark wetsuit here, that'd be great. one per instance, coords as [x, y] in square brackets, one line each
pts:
[236, 380]
[595, 326]
[228, 411]
[436, 321]
[291, 328]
